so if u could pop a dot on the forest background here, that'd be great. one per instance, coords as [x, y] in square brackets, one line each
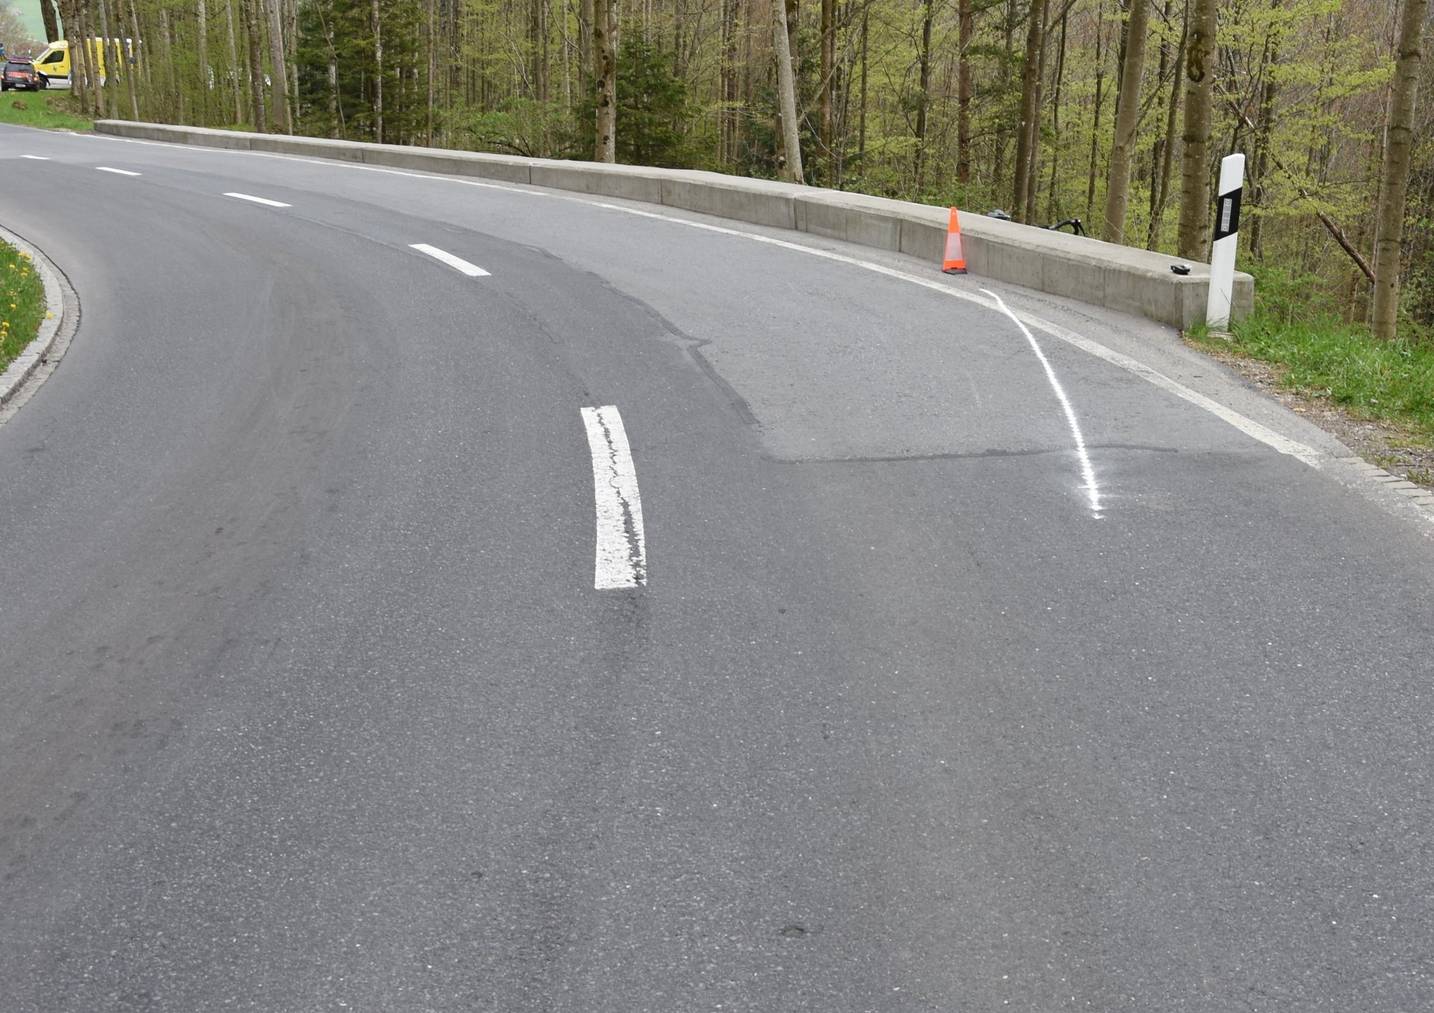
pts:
[1112, 111]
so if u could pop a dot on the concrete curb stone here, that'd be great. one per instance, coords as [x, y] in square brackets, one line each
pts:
[38, 350]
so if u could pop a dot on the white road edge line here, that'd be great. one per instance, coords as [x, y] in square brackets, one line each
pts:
[457, 263]
[259, 200]
[117, 172]
[1255, 430]
[37, 158]
[1087, 470]
[620, 558]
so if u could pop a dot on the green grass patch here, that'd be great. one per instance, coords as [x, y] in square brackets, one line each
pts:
[1321, 355]
[22, 303]
[58, 110]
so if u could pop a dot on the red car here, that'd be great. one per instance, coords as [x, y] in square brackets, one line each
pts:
[20, 74]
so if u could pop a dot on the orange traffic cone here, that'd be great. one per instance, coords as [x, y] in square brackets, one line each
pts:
[955, 260]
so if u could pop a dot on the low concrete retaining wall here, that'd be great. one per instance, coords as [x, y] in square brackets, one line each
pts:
[1116, 277]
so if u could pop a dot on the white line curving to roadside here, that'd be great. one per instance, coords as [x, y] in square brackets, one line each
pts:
[1087, 470]
[259, 200]
[621, 547]
[457, 263]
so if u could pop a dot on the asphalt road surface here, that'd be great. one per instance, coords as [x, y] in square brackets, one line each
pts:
[667, 620]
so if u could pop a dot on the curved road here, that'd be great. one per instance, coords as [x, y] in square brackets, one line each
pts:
[313, 701]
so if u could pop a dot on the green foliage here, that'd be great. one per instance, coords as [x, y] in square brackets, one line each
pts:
[1295, 326]
[341, 32]
[651, 109]
[22, 302]
[651, 104]
[519, 126]
[52, 109]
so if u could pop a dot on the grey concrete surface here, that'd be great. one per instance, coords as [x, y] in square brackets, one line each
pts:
[1120, 278]
[310, 703]
[34, 355]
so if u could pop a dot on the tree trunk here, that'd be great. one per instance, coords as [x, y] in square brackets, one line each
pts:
[794, 21]
[1167, 152]
[1029, 75]
[1127, 119]
[1052, 208]
[1259, 175]
[605, 70]
[201, 35]
[73, 20]
[585, 45]
[279, 72]
[122, 57]
[334, 116]
[1159, 145]
[998, 171]
[861, 115]
[727, 117]
[291, 33]
[787, 95]
[828, 79]
[1193, 240]
[1033, 144]
[965, 29]
[47, 14]
[233, 61]
[256, 64]
[170, 81]
[1394, 178]
[1095, 117]
[377, 27]
[923, 95]
[537, 87]
[107, 58]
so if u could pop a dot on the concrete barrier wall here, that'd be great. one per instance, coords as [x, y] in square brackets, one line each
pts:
[1103, 274]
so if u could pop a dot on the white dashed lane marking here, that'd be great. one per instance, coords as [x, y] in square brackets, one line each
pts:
[620, 559]
[457, 263]
[259, 200]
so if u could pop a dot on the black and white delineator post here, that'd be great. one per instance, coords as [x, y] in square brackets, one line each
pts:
[1222, 251]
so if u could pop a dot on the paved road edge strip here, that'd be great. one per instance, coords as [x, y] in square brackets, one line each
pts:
[1120, 278]
[58, 297]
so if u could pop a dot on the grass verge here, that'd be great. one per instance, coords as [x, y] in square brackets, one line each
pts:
[56, 110]
[22, 303]
[1320, 356]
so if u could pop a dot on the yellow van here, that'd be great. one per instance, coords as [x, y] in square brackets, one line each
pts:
[56, 70]
[53, 65]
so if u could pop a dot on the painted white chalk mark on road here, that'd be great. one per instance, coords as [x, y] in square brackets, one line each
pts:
[1087, 470]
[457, 263]
[117, 172]
[621, 553]
[259, 200]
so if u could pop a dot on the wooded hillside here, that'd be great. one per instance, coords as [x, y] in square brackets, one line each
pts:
[1112, 111]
